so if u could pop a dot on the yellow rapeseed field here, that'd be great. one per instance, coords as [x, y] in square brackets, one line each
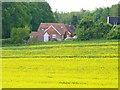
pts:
[63, 65]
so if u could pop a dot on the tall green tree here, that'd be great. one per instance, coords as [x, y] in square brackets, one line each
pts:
[14, 15]
[20, 14]
[74, 20]
[114, 10]
[40, 12]
[84, 29]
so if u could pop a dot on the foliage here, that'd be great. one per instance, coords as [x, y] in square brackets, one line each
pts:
[14, 15]
[20, 14]
[6, 41]
[90, 25]
[115, 10]
[74, 20]
[98, 15]
[19, 35]
[40, 12]
[69, 17]
[84, 29]
[87, 29]
[114, 33]
[100, 30]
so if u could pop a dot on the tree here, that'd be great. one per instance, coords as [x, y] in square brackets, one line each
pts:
[74, 20]
[19, 35]
[84, 29]
[100, 30]
[57, 16]
[87, 29]
[40, 12]
[19, 14]
[114, 10]
[14, 15]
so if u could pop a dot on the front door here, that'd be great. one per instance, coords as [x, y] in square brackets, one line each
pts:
[46, 37]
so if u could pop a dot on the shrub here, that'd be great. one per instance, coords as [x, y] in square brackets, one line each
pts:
[20, 35]
[6, 41]
[114, 33]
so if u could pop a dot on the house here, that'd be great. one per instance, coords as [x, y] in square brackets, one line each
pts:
[71, 29]
[53, 31]
[113, 20]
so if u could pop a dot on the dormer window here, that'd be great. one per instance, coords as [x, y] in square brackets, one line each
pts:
[43, 29]
[61, 26]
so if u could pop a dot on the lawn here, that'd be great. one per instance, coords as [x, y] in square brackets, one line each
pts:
[86, 64]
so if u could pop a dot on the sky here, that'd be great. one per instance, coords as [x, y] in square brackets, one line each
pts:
[77, 5]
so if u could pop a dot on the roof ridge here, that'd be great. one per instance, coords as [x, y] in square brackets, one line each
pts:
[52, 23]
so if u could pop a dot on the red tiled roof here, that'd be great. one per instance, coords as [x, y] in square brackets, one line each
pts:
[70, 28]
[34, 33]
[60, 27]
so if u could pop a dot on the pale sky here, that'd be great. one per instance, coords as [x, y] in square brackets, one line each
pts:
[77, 5]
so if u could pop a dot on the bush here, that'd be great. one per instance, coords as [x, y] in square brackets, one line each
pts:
[6, 41]
[87, 30]
[19, 35]
[84, 29]
[114, 33]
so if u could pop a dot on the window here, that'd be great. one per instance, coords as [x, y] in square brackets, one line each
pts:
[43, 29]
[53, 35]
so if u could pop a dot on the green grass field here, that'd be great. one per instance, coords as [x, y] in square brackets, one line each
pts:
[86, 64]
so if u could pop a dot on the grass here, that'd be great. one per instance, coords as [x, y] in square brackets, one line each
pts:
[59, 42]
[86, 64]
